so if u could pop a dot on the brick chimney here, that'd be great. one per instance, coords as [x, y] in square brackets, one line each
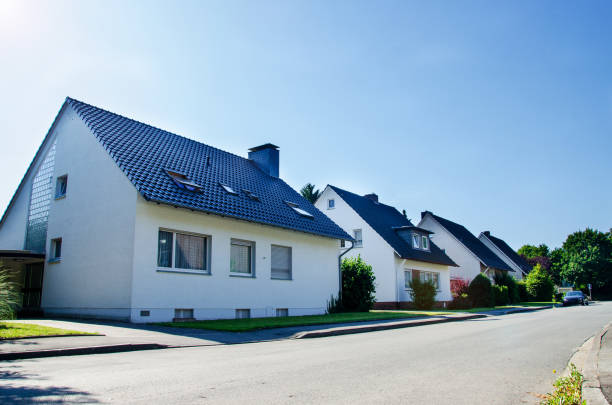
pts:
[266, 157]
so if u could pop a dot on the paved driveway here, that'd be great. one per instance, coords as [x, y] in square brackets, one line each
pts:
[496, 360]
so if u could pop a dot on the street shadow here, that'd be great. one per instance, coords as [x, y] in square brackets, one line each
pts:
[12, 392]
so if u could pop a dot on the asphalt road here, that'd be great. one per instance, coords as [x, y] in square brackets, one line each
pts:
[498, 360]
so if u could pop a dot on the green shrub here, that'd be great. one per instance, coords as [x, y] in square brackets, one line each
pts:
[357, 285]
[480, 292]
[422, 293]
[9, 296]
[460, 302]
[334, 305]
[513, 288]
[540, 286]
[522, 289]
[500, 295]
[559, 296]
[568, 390]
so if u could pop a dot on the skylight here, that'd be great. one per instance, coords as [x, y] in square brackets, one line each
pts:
[300, 211]
[228, 189]
[182, 181]
[251, 195]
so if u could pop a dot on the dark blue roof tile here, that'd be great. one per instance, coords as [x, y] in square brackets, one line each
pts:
[144, 153]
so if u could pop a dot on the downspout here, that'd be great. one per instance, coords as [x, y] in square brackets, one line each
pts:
[340, 270]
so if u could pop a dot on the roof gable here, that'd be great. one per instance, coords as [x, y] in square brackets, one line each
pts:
[388, 222]
[145, 154]
[471, 242]
[508, 251]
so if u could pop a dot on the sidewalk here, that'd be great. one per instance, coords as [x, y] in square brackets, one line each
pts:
[120, 337]
[605, 365]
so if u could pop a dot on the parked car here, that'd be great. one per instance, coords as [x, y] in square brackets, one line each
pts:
[575, 298]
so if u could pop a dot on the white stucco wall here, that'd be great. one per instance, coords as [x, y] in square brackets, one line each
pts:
[218, 295]
[469, 264]
[96, 223]
[375, 250]
[387, 266]
[518, 272]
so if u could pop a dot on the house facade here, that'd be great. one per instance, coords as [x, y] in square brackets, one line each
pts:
[471, 255]
[120, 220]
[506, 253]
[385, 239]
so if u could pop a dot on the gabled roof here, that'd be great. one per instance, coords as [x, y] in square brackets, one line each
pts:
[145, 154]
[387, 221]
[508, 251]
[471, 242]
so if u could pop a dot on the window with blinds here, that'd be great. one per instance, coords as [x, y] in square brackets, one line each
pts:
[241, 257]
[281, 262]
[182, 251]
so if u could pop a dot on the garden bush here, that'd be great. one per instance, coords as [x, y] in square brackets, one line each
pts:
[462, 301]
[540, 286]
[513, 288]
[480, 292]
[500, 295]
[358, 286]
[459, 287]
[522, 289]
[422, 293]
[9, 296]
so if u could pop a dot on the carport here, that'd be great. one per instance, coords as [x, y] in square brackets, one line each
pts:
[26, 268]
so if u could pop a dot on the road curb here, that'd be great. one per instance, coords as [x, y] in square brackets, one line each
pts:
[591, 387]
[75, 351]
[529, 309]
[382, 326]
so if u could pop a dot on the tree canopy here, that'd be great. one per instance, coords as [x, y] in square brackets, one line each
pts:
[531, 251]
[310, 193]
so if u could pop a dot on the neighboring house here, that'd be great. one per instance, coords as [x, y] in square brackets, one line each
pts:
[472, 256]
[506, 253]
[397, 250]
[118, 219]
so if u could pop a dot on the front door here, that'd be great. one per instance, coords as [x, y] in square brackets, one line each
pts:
[32, 287]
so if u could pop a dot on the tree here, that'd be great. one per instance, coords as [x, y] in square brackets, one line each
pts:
[557, 259]
[531, 251]
[358, 286]
[587, 258]
[310, 193]
[539, 284]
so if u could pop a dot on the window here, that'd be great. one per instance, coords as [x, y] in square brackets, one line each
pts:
[331, 204]
[183, 313]
[182, 181]
[190, 252]
[241, 257]
[228, 189]
[415, 241]
[358, 238]
[281, 262]
[430, 276]
[280, 312]
[300, 211]
[407, 278]
[60, 186]
[342, 243]
[56, 249]
[425, 242]
[243, 313]
[251, 195]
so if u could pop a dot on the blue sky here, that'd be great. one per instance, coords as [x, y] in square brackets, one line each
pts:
[497, 115]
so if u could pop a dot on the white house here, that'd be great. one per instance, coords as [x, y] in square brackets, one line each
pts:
[118, 219]
[471, 255]
[506, 253]
[397, 250]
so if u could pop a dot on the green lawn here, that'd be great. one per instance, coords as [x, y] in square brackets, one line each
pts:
[10, 330]
[242, 325]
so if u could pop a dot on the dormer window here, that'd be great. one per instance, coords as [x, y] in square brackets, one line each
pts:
[420, 241]
[182, 181]
[300, 211]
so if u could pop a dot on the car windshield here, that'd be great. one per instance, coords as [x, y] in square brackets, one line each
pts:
[573, 294]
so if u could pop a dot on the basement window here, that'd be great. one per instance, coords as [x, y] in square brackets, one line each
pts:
[243, 313]
[228, 189]
[182, 181]
[299, 210]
